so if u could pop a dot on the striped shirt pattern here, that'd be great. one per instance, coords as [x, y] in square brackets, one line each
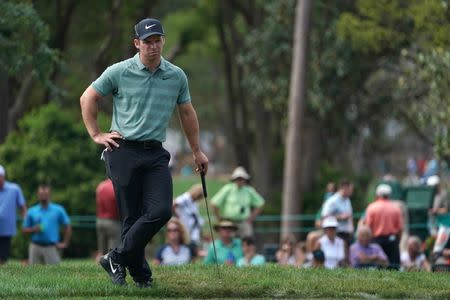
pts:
[143, 102]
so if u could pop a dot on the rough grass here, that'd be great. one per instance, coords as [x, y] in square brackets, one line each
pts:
[85, 280]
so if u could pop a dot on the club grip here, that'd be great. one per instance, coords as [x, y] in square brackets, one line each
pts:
[202, 175]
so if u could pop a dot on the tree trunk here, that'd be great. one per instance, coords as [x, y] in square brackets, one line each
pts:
[59, 40]
[4, 104]
[237, 117]
[100, 60]
[17, 110]
[264, 139]
[292, 198]
[311, 151]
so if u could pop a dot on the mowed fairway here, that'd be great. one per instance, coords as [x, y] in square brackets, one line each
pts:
[82, 279]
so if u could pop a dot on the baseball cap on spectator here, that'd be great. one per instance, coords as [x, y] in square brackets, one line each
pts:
[330, 222]
[383, 190]
[433, 180]
[148, 27]
[2, 171]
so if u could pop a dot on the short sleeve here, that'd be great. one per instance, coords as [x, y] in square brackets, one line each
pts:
[158, 255]
[181, 200]
[381, 252]
[27, 222]
[327, 208]
[256, 199]
[20, 199]
[219, 198]
[107, 82]
[63, 217]
[184, 95]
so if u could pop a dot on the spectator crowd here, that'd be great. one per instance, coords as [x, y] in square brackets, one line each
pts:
[380, 239]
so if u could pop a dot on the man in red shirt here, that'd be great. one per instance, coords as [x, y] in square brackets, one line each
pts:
[386, 222]
[108, 221]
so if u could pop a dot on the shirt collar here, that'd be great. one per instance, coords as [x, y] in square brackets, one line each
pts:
[162, 65]
[41, 207]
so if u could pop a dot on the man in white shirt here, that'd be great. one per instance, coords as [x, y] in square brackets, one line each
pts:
[340, 207]
[186, 209]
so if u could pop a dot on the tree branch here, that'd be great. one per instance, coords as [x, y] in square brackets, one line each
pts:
[99, 60]
[16, 111]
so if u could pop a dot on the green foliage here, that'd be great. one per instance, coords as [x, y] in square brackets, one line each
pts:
[423, 86]
[266, 56]
[377, 26]
[380, 26]
[23, 40]
[52, 145]
[409, 66]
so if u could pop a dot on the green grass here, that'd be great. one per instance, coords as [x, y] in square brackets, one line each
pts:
[85, 280]
[181, 184]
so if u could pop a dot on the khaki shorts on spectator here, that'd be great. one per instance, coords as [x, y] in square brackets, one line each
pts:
[108, 234]
[244, 229]
[47, 255]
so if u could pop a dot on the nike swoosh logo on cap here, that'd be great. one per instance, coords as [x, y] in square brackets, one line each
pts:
[150, 26]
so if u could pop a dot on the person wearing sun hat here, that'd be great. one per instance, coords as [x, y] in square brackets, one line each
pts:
[239, 202]
[228, 247]
[332, 246]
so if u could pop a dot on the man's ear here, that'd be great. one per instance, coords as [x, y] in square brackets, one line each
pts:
[136, 43]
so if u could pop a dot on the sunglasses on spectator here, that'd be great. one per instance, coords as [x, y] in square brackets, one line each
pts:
[172, 229]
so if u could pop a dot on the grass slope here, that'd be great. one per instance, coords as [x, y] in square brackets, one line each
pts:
[84, 279]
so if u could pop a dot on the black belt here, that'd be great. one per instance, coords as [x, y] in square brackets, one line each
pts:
[45, 244]
[149, 144]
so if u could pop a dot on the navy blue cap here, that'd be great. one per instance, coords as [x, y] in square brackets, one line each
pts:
[148, 27]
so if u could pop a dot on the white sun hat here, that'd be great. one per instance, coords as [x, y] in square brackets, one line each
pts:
[239, 172]
[330, 222]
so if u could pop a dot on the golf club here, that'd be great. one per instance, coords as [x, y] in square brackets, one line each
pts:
[205, 194]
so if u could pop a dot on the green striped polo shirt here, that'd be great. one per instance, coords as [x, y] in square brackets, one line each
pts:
[143, 102]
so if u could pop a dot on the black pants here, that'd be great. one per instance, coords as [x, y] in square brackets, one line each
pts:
[143, 187]
[391, 247]
[5, 248]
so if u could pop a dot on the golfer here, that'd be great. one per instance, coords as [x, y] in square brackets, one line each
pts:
[145, 90]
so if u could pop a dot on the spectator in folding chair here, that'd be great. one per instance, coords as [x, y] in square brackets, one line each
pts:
[332, 246]
[364, 253]
[414, 259]
[250, 258]
[176, 250]
[229, 248]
